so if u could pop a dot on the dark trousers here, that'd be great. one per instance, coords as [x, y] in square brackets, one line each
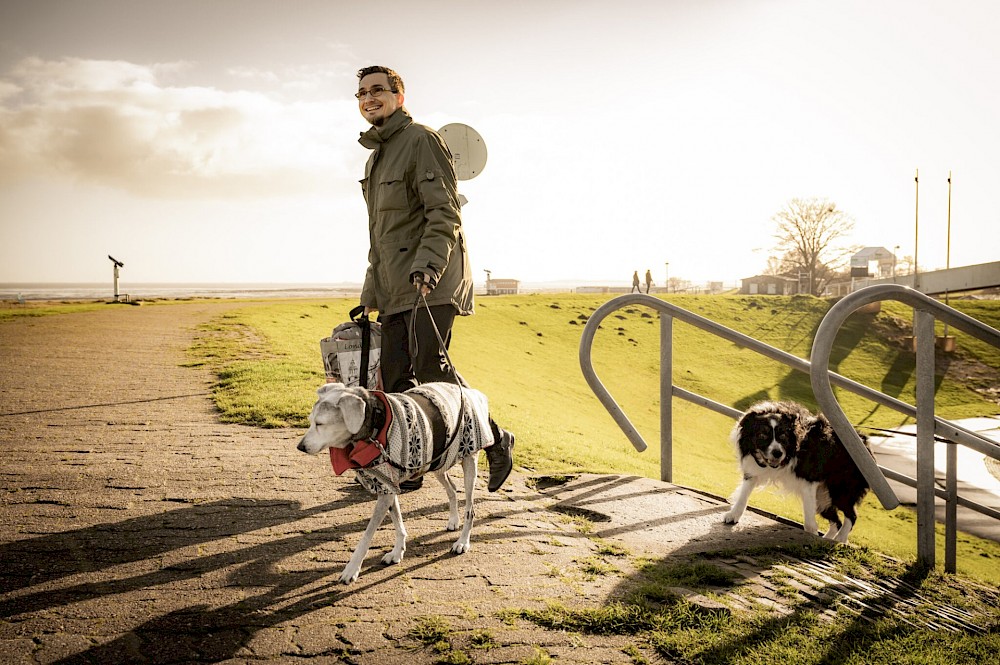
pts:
[403, 367]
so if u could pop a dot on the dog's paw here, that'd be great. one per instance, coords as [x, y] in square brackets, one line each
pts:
[349, 576]
[392, 557]
[461, 546]
[452, 524]
[730, 518]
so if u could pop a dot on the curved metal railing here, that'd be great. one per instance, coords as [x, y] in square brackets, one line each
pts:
[668, 312]
[925, 311]
[822, 381]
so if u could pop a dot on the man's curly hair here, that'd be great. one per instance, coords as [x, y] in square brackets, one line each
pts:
[395, 81]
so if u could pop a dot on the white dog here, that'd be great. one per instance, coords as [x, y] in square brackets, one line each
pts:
[391, 437]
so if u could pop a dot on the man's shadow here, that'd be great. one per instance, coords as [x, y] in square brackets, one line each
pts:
[35, 562]
[273, 595]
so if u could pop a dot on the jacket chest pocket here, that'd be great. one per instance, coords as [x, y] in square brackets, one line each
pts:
[391, 193]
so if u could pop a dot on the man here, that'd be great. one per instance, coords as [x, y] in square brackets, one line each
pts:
[417, 246]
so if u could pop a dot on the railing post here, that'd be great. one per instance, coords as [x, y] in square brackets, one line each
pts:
[666, 398]
[923, 331]
[951, 509]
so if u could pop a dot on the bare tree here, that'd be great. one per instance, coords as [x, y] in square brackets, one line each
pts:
[807, 232]
[780, 265]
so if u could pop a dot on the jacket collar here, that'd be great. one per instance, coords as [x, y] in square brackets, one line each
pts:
[378, 135]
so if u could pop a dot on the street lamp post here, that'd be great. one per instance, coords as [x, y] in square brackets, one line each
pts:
[916, 227]
[947, 264]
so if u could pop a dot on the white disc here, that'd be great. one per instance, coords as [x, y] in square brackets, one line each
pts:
[467, 147]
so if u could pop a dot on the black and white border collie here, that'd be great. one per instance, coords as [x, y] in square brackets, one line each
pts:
[785, 444]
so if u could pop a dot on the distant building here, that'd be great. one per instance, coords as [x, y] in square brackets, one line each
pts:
[502, 287]
[769, 285]
[870, 263]
[877, 262]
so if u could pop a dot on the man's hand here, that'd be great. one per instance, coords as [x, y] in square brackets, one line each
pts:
[423, 282]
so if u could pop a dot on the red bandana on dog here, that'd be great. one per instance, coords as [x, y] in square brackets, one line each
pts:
[362, 454]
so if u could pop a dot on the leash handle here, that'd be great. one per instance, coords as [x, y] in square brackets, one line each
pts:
[364, 323]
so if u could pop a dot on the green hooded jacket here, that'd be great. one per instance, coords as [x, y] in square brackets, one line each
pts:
[414, 218]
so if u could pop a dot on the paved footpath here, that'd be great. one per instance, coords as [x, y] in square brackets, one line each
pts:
[134, 527]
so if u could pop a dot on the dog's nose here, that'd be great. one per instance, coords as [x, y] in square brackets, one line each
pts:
[302, 445]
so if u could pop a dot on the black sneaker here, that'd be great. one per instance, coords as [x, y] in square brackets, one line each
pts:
[410, 485]
[501, 460]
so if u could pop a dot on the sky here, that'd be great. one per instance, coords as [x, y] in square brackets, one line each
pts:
[217, 141]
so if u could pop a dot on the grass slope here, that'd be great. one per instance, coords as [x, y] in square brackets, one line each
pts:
[522, 351]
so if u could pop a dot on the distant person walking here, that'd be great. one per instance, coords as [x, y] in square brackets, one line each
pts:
[649, 280]
[635, 282]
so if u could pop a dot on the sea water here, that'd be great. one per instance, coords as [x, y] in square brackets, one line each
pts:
[151, 291]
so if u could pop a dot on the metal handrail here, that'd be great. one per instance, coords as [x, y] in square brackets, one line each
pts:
[818, 369]
[668, 312]
[925, 311]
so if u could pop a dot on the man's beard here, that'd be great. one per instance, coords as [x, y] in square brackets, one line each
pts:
[379, 119]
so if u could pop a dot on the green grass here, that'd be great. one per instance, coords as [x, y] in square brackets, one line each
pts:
[522, 351]
[12, 310]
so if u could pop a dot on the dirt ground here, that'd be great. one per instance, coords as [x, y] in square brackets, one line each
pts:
[137, 528]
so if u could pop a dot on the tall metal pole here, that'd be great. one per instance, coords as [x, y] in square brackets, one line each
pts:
[916, 229]
[947, 263]
[947, 255]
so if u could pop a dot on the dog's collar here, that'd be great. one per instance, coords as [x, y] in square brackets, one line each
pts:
[376, 426]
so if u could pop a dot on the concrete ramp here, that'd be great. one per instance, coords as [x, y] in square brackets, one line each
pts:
[662, 517]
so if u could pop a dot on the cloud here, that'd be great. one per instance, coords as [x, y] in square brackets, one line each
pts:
[120, 124]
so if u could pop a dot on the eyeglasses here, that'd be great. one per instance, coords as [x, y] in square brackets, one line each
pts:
[376, 91]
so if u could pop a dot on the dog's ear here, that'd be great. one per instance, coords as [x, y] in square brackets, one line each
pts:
[747, 419]
[738, 429]
[747, 424]
[352, 408]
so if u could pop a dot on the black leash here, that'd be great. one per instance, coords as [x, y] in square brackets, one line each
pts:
[444, 349]
[357, 315]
